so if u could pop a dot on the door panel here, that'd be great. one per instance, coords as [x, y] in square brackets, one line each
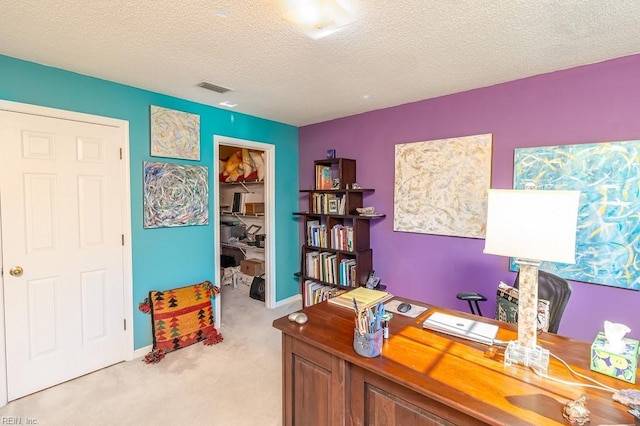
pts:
[62, 223]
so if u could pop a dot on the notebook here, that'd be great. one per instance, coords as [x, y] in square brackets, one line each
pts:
[462, 327]
[365, 298]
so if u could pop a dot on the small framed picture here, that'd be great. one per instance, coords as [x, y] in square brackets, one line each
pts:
[333, 206]
[335, 183]
[331, 153]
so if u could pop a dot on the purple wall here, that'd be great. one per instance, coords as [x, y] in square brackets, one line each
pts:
[593, 103]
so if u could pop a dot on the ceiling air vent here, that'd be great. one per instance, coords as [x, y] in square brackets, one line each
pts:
[213, 87]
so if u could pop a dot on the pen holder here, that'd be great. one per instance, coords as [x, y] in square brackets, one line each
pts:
[367, 344]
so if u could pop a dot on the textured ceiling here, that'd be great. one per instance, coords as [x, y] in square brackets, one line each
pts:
[397, 51]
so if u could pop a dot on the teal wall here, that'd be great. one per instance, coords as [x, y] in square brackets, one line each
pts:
[168, 257]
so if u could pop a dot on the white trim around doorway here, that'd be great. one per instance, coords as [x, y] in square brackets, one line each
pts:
[270, 226]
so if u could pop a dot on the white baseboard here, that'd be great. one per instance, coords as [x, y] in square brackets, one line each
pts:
[292, 299]
[139, 353]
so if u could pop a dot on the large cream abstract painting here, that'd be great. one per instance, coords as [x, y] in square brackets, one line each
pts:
[441, 186]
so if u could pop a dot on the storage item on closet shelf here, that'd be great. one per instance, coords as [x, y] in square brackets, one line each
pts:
[254, 208]
[229, 233]
[230, 276]
[253, 267]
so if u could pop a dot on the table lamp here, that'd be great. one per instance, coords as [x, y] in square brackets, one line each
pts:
[531, 226]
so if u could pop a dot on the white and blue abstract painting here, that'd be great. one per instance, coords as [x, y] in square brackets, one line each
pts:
[608, 176]
[175, 195]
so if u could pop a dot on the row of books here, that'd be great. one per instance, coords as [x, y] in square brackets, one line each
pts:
[348, 273]
[328, 204]
[317, 234]
[341, 236]
[324, 266]
[316, 292]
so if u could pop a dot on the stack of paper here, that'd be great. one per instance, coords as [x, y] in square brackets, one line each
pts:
[365, 298]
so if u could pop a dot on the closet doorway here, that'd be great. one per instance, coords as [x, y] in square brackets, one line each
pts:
[244, 216]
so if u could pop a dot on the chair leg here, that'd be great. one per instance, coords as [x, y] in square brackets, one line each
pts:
[477, 307]
[471, 307]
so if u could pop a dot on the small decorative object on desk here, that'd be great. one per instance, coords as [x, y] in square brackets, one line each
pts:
[628, 397]
[385, 324]
[576, 412]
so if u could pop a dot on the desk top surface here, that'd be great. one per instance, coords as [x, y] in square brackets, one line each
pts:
[457, 373]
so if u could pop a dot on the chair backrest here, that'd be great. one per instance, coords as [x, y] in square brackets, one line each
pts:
[557, 291]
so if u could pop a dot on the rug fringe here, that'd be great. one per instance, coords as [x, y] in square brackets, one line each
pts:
[144, 306]
[154, 356]
[213, 338]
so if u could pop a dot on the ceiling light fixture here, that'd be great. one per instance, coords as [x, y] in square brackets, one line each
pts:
[317, 18]
[228, 104]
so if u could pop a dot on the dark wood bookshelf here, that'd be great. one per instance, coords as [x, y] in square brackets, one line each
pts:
[320, 218]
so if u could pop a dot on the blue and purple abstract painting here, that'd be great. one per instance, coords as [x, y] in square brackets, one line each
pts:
[608, 176]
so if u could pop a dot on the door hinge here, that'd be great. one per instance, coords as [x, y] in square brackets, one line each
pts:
[121, 153]
[125, 324]
[123, 239]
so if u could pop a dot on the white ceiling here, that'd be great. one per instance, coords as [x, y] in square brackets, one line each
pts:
[397, 51]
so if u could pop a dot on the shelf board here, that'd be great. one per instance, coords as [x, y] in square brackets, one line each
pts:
[228, 213]
[344, 216]
[338, 191]
[246, 182]
[332, 250]
[305, 277]
[242, 246]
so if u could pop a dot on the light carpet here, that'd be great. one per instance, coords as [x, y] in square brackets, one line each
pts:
[237, 382]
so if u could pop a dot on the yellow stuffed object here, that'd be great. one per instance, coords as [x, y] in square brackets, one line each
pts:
[257, 158]
[241, 163]
[233, 167]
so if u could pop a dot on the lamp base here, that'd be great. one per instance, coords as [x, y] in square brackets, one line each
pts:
[537, 358]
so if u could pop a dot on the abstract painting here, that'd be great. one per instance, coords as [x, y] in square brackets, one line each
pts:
[441, 186]
[608, 176]
[175, 195]
[174, 134]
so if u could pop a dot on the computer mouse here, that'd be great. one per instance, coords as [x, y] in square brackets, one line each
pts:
[299, 317]
[404, 307]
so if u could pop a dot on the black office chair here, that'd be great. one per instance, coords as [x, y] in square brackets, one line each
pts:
[550, 287]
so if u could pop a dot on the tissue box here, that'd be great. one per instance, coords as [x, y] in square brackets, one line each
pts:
[622, 366]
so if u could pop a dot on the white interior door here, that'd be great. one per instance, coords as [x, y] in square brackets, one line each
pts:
[62, 249]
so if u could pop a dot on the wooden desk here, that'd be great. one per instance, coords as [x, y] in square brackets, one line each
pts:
[424, 377]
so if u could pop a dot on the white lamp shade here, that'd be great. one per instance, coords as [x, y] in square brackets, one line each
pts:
[537, 225]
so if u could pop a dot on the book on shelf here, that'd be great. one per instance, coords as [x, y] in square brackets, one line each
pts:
[365, 298]
[323, 177]
[341, 206]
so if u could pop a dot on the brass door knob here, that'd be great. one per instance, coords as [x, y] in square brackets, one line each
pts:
[16, 271]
